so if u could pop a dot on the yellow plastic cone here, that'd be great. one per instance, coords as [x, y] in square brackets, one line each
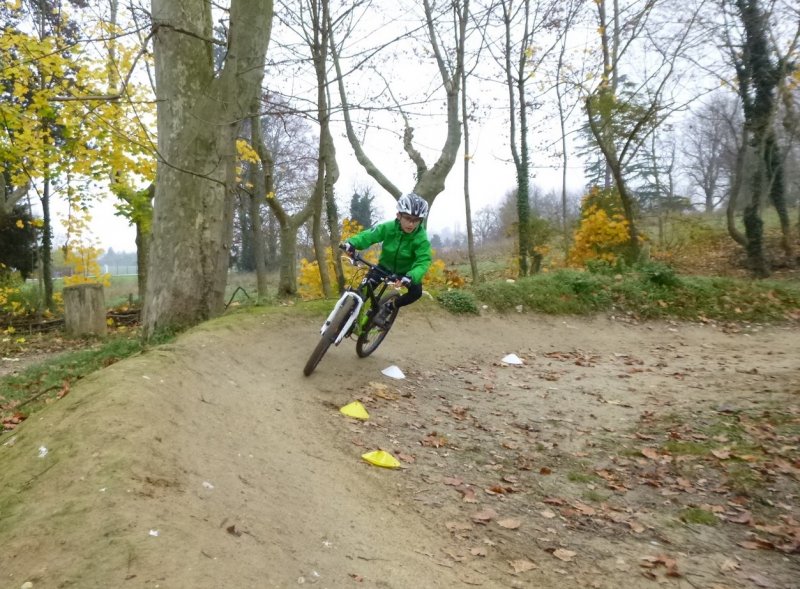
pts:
[355, 409]
[381, 458]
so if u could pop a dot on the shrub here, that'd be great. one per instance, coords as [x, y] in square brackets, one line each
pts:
[599, 237]
[603, 232]
[15, 300]
[458, 302]
[659, 273]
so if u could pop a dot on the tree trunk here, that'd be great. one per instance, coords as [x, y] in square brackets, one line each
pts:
[142, 251]
[199, 114]
[473, 263]
[515, 82]
[777, 193]
[327, 149]
[84, 310]
[633, 248]
[256, 198]
[259, 254]
[259, 246]
[608, 148]
[47, 244]
[316, 233]
[564, 156]
[331, 211]
[287, 283]
[735, 189]
[319, 54]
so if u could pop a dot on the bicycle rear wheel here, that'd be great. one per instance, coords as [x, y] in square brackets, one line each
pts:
[372, 335]
[329, 335]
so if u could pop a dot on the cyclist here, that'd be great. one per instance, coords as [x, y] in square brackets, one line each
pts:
[405, 251]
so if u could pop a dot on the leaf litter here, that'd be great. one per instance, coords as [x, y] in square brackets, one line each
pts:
[519, 442]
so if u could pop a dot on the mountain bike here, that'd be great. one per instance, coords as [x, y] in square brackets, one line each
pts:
[354, 314]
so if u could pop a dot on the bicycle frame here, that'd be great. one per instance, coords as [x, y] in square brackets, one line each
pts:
[366, 291]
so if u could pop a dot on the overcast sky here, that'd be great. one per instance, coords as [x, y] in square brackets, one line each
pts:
[492, 173]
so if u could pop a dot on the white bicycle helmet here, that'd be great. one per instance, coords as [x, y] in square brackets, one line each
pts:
[412, 204]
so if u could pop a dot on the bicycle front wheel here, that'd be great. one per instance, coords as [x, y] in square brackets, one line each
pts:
[329, 335]
[372, 335]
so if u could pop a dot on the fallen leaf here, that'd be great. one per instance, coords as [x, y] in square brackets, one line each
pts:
[64, 390]
[584, 509]
[509, 523]
[547, 513]
[484, 516]
[636, 527]
[500, 490]
[743, 517]
[433, 440]
[564, 554]
[456, 557]
[650, 453]
[521, 565]
[722, 454]
[458, 526]
[381, 390]
[757, 544]
[661, 560]
[554, 501]
[729, 565]
[468, 495]
[453, 481]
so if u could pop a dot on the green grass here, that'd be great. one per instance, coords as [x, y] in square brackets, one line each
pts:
[44, 380]
[688, 448]
[458, 302]
[649, 291]
[743, 479]
[695, 515]
[582, 477]
[593, 496]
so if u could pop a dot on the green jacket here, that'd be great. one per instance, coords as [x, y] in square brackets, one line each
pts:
[401, 253]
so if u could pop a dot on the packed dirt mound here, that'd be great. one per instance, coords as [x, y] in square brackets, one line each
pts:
[212, 462]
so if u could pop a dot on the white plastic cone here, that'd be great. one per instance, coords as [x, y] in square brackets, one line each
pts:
[393, 372]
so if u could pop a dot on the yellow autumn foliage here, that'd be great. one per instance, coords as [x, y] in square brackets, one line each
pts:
[602, 233]
[79, 253]
[85, 267]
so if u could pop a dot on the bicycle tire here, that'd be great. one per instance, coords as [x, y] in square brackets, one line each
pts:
[328, 336]
[372, 336]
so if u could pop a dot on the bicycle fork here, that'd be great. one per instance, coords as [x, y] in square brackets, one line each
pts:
[346, 327]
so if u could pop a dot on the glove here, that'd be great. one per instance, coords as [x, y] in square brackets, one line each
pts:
[405, 281]
[348, 248]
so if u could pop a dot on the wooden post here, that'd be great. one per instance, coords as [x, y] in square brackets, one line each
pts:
[84, 310]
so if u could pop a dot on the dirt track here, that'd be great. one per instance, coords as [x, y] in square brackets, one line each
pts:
[213, 462]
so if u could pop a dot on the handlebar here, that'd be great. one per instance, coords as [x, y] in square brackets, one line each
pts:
[387, 277]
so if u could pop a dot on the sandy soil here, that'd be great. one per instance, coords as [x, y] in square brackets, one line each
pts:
[212, 462]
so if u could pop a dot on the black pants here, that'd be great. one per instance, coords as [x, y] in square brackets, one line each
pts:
[414, 290]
